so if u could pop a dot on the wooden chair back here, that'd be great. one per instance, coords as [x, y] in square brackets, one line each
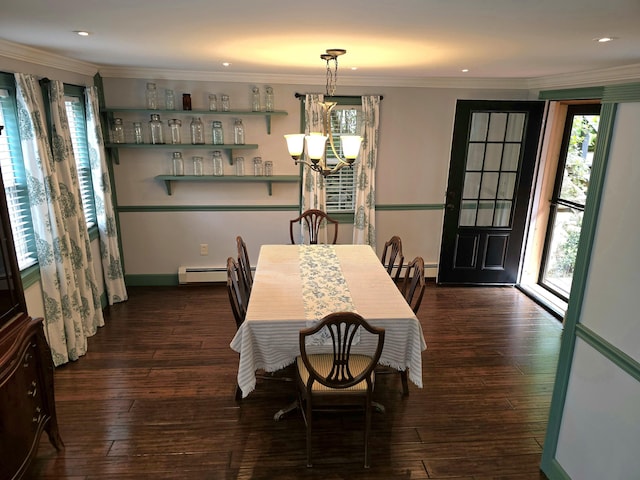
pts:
[245, 266]
[313, 220]
[392, 257]
[237, 297]
[414, 283]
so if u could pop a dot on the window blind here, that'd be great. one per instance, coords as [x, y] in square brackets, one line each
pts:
[340, 187]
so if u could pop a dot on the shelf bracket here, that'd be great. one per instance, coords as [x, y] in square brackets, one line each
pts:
[268, 119]
[270, 188]
[167, 184]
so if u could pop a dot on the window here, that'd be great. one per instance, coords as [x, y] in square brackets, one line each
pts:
[74, 101]
[569, 197]
[14, 177]
[340, 187]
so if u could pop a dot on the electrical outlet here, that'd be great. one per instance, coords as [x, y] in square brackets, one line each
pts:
[204, 249]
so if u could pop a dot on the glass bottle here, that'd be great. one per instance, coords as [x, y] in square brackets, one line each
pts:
[174, 126]
[257, 167]
[238, 132]
[169, 99]
[255, 99]
[268, 168]
[217, 133]
[155, 126]
[186, 101]
[138, 136]
[239, 162]
[226, 103]
[268, 99]
[178, 164]
[213, 102]
[198, 166]
[197, 131]
[118, 131]
[218, 169]
[152, 96]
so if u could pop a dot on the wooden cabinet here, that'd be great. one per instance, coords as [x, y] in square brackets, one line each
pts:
[27, 405]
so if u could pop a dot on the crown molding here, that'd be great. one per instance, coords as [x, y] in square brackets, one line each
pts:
[605, 76]
[24, 53]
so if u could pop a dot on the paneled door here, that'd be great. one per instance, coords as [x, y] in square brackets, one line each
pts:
[493, 157]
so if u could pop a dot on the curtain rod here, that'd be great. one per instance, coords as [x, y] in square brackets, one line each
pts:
[302, 95]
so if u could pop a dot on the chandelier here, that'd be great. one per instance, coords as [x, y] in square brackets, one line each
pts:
[316, 141]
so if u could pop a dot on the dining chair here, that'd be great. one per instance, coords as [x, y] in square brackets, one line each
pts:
[245, 266]
[340, 379]
[395, 260]
[314, 219]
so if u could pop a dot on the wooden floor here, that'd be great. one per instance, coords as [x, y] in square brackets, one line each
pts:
[154, 398]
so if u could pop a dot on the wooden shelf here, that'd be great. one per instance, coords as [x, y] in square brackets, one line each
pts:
[169, 179]
[180, 146]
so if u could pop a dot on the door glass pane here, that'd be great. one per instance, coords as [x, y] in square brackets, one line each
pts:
[503, 214]
[485, 214]
[471, 185]
[489, 185]
[511, 157]
[494, 156]
[577, 169]
[497, 127]
[507, 185]
[475, 155]
[468, 213]
[515, 127]
[479, 122]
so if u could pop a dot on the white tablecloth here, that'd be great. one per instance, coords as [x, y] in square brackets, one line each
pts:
[268, 338]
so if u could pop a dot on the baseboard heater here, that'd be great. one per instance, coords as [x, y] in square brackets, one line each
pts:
[188, 275]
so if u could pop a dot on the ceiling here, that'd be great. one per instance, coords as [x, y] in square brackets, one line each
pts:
[386, 40]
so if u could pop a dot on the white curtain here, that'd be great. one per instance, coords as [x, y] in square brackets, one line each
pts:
[71, 300]
[105, 215]
[364, 226]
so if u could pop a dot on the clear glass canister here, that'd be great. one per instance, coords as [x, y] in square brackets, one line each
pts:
[255, 99]
[118, 131]
[257, 167]
[239, 163]
[175, 126]
[213, 102]
[178, 164]
[138, 135]
[218, 168]
[152, 96]
[268, 168]
[268, 99]
[197, 131]
[198, 166]
[169, 99]
[217, 133]
[186, 101]
[238, 132]
[226, 103]
[155, 126]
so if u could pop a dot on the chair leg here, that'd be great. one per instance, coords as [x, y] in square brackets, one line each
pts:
[367, 428]
[238, 393]
[308, 418]
[405, 383]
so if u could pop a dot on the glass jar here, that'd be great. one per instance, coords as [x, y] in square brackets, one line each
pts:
[257, 167]
[217, 133]
[213, 102]
[238, 132]
[268, 99]
[268, 168]
[239, 162]
[198, 166]
[178, 164]
[186, 101]
[138, 135]
[197, 131]
[255, 99]
[226, 103]
[118, 131]
[152, 96]
[218, 168]
[169, 99]
[174, 127]
[155, 126]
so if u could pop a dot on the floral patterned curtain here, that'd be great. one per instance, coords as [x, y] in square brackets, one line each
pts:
[70, 294]
[364, 227]
[105, 216]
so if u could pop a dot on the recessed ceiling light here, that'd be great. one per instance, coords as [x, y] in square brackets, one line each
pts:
[605, 39]
[225, 64]
[82, 33]
[354, 68]
[464, 70]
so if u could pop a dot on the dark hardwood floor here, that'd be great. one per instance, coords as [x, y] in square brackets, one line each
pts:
[154, 398]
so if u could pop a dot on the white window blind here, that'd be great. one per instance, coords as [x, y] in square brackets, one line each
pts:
[15, 182]
[78, 128]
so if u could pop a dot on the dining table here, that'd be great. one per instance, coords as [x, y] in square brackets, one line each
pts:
[295, 286]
